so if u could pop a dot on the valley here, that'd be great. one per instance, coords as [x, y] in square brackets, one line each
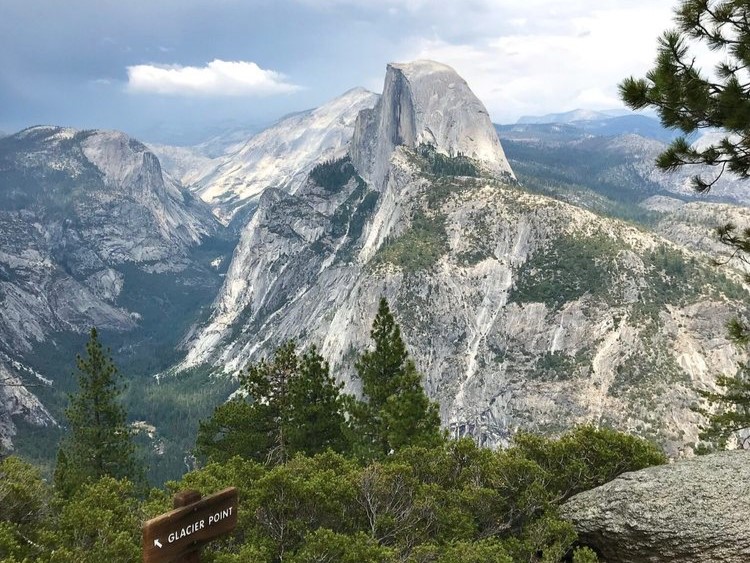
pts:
[551, 280]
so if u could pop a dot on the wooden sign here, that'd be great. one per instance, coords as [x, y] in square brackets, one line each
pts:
[184, 530]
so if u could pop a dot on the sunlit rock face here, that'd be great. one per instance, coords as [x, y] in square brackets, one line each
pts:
[280, 156]
[522, 311]
[425, 102]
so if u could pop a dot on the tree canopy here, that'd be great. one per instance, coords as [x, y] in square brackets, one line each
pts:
[452, 502]
[689, 98]
[287, 405]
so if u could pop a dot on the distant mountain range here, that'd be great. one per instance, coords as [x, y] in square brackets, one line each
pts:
[574, 115]
[563, 126]
[553, 279]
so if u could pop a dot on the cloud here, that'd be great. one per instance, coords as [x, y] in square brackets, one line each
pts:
[551, 63]
[217, 78]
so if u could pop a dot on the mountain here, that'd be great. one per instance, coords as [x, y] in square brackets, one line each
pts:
[571, 116]
[605, 126]
[280, 156]
[525, 298]
[523, 311]
[93, 234]
[424, 103]
[606, 173]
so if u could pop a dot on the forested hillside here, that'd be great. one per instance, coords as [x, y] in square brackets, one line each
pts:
[322, 476]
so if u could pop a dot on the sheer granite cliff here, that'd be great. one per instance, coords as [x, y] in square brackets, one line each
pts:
[521, 310]
[85, 217]
[425, 102]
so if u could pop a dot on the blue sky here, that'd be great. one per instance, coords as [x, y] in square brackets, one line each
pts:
[170, 70]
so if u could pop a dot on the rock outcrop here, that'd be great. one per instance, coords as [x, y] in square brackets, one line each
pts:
[424, 102]
[690, 511]
[86, 218]
[522, 311]
[280, 156]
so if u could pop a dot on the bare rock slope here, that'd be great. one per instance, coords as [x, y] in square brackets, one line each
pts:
[280, 156]
[521, 310]
[689, 511]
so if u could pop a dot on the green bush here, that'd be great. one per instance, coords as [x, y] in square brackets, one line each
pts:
[332, 175]
[446, 165]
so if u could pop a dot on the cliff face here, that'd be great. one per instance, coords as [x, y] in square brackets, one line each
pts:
[522, 311]
[85, 216]
[281, 156]
[425, 102]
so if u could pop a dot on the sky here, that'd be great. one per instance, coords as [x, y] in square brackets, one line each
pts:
[178, 70]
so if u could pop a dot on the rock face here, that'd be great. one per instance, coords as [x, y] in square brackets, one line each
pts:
[424, 102]
[85, 216]
[16, 401]
[280, 156]
[690, 511]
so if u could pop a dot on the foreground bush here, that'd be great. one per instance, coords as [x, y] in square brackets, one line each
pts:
[454, 503]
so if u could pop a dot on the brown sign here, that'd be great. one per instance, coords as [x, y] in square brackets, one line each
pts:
[185, 529]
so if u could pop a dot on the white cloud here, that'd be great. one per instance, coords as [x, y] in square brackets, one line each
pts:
[217, 78]
[554, 61]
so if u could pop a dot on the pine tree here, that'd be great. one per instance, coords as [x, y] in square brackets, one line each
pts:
[290, 405]
[267, 384]
[687, 99]
[395, 412]
[236, 428]
[99, 442]
[316, 419]
[728, 411]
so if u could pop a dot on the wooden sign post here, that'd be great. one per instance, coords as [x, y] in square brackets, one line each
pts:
[180, 534]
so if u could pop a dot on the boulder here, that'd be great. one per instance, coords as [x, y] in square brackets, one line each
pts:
[693, 510]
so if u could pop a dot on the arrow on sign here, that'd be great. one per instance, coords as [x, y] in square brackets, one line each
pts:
[157, 543]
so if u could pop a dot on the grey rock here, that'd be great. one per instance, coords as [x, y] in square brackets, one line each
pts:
[77, 210]
[280, 156]
[309, 267]
[424, 102]
[493, 362]
[695, 510]
[16, 401]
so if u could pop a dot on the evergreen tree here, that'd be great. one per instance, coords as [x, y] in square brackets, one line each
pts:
[687, 99]
[395, 411]
[267, 384]
[236, 428]
[316, 418]
[728, 411]
[99, 442]
[290, 405]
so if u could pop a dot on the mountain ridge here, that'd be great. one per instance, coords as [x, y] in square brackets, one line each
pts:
[279, 156]
[523, 311]
[478, 256]
[87, 218]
